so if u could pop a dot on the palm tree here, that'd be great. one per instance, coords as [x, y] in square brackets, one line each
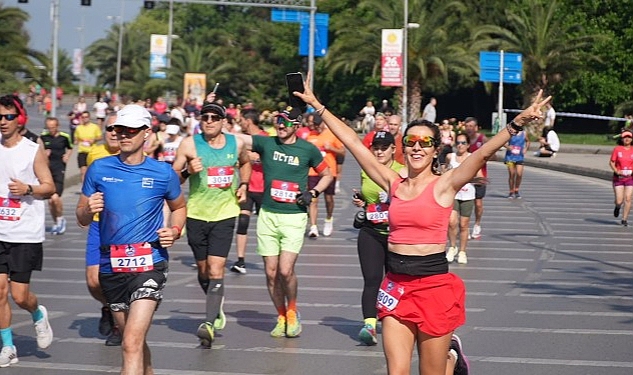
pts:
[552, 48]
[16, 57]
[437, 50]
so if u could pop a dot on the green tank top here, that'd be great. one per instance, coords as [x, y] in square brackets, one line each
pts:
[376, 200]
[212, 191]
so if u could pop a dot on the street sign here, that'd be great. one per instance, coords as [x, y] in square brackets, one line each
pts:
[286, 15]
[493, 76]
[490, 64]
[321, 23]
[491, 60]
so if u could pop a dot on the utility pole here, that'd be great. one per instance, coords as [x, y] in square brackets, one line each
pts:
[55, 16]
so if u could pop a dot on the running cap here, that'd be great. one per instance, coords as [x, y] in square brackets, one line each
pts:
[626, 133]
[289, 115]
[172, 129]
[133, 116]
[383, 138]
[213, 107]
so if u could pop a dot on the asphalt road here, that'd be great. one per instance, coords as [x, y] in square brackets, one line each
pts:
[548, 291]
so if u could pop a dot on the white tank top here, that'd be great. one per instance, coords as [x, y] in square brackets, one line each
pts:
[467, 192]
[170, 148]
[21, 217]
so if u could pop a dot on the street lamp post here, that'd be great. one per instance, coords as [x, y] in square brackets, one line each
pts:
[405, 62]
[405, 57]
[55, 14]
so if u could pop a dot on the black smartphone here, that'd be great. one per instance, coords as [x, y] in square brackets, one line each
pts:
[294, 82]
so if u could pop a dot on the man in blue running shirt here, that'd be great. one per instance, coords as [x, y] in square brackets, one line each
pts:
[128, 191]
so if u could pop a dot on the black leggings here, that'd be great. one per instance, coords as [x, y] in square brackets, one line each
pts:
[372, 253]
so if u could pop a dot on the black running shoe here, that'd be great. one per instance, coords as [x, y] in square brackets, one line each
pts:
[106, 322]
[115, 338]
[624, 223]
[238, 268]
[461, 366]
[616, 211]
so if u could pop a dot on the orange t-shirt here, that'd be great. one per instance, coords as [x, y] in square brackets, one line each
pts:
[320, 140]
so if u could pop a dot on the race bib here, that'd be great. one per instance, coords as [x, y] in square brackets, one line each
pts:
[389, 295]
[516, 150]
[219, 177]
[85, 143]
[627, 172]
[378, 213]
[131, 258]
[11, 209]
[169, 155]
[283, 191]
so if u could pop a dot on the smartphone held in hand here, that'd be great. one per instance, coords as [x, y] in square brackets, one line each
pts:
[294, 82]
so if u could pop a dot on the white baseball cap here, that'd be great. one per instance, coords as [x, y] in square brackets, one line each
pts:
[133, 116]
[172, 129]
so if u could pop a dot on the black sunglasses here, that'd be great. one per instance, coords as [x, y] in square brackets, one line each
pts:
[9, 116]
[210, 116]
[124, 129]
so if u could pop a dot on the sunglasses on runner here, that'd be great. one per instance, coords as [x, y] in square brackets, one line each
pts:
[212, 117]
[461, 143]
[411, 140]
[285, 122]
[9, 116]
[124, 129]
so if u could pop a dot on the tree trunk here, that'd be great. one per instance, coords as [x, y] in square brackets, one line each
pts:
[415, 100]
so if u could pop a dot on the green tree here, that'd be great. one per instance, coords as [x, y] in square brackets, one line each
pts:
[553, 47]
[438, 51]
[17, 59]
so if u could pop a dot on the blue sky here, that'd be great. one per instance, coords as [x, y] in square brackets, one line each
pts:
[71, 12]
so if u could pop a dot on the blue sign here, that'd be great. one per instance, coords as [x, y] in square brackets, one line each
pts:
[490, 64]
[285, 15]
[322, 22]
[493, 76]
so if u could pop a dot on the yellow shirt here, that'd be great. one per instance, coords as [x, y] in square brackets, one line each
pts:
[86, 136]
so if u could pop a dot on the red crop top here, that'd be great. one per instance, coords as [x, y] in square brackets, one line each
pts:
[420, 220]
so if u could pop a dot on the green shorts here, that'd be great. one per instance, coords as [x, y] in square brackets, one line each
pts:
[277, 232]
[464, 208]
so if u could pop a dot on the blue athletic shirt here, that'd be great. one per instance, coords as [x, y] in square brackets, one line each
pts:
[514, 151]
[133, 197]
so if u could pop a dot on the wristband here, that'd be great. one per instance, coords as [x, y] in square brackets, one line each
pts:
[316, 193]
[185, 173]
[176, 227]
[320, 111]
[243, 183]
[513, 128]
[29, 190]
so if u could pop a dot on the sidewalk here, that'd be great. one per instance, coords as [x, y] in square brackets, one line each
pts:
[584, 160]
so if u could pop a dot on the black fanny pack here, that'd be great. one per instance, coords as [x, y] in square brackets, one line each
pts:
[415, 265]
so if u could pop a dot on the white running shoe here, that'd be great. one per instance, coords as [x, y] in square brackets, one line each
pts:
[314, 231]
[476, 231]
[450, 254]
[328, 227]
[8, 356]
[43, 330]
[462, 258]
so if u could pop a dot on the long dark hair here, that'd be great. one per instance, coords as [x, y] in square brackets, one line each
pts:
[437, 140]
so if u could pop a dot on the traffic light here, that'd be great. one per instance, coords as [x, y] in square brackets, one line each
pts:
[85, 2]
[149, 4]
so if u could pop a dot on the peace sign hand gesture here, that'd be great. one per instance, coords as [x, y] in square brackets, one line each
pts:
[533, 112]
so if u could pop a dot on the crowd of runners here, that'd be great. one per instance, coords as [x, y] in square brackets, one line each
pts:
[239, 162]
